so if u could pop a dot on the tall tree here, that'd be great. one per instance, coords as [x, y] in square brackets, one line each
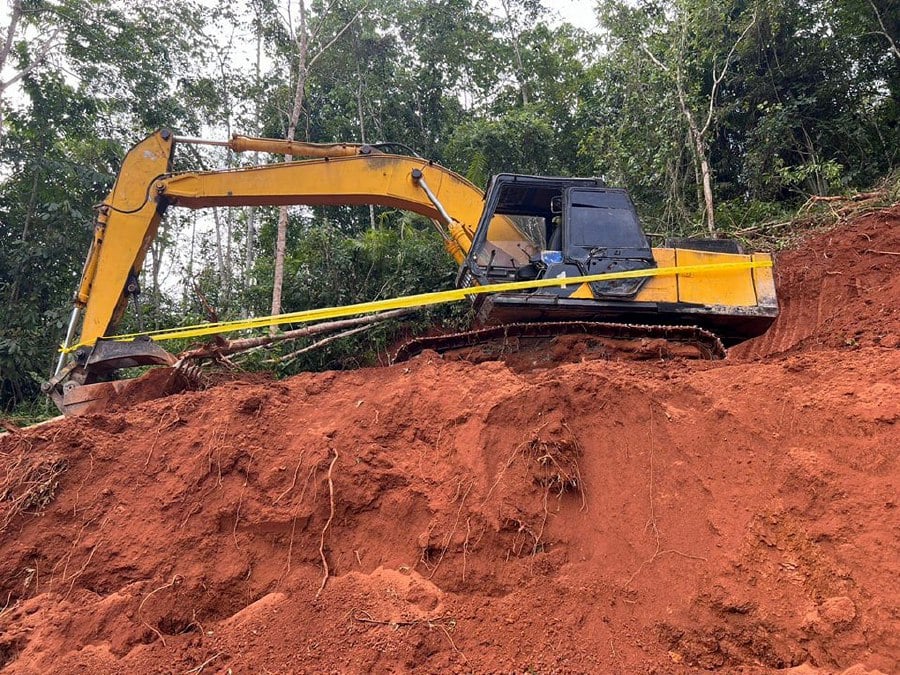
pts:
[304, 59]
[699, 106]
[30, 36]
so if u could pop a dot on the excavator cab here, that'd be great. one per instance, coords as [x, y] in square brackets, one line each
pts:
[573, 227]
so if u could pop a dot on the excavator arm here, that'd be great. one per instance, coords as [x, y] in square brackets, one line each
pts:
[331, 174]
[343, 175]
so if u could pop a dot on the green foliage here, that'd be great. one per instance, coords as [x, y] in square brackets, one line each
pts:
[807, 106]
[327, 267]
[826, 173]
[521, 141]
[738, 215]
[59, 150]
[45, 216]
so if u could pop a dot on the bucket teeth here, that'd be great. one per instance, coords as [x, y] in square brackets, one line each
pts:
[192, 373]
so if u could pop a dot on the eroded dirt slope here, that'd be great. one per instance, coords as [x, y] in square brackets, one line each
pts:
[837, 289]
[592, 517]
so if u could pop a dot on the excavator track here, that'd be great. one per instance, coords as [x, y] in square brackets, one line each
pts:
[649, 340]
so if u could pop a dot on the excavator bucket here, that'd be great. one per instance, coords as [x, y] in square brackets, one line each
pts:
[93, 394]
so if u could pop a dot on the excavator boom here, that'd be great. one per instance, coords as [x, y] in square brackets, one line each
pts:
[129, 218]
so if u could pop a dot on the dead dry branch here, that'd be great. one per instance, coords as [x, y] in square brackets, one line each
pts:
[821, 212]
[222, 347]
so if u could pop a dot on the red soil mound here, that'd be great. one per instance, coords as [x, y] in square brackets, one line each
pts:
[838, 289]
[651, 516]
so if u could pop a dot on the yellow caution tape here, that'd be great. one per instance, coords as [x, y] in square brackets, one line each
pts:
[419, 300]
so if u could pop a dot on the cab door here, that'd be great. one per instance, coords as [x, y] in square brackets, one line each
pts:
[602, 233]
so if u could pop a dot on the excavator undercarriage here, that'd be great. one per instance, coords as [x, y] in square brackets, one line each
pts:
[594, 339]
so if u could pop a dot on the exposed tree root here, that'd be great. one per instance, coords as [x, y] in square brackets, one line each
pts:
[325, 570]
[453, 529]
[176, 581]
[651, 522]
[199, 669]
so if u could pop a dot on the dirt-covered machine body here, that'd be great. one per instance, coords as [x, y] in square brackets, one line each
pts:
[526, 228]
[576, 227]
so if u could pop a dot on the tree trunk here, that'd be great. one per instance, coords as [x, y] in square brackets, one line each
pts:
[156, 254]
[251, 213]
[5, 49]
[708, 196]
[38, 50]
[520, 67]
[699, 133]
[29, 215]
[362, 129]
[698, 138]
[220, 257]
[281, 238]
[248, 257]
[190, 263]
[304, 63]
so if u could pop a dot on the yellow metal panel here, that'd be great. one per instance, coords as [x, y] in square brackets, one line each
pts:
[584, 292]
[146, 160]
[732, 288]
[122, 235]
[765, 281]
[385, 180]
[660, 289]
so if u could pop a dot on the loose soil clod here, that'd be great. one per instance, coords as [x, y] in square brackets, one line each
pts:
[576, 516]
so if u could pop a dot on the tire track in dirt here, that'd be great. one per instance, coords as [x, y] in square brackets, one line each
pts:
[836, 291]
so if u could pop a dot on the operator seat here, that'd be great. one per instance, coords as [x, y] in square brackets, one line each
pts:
[555, 243]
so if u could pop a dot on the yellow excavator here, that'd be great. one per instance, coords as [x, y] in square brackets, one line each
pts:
[523, 228]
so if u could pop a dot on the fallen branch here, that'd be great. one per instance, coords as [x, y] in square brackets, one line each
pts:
[287, 358]
[211, 313]
[225, 347]
[9, 426]
[764, 226]
[858, 197]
